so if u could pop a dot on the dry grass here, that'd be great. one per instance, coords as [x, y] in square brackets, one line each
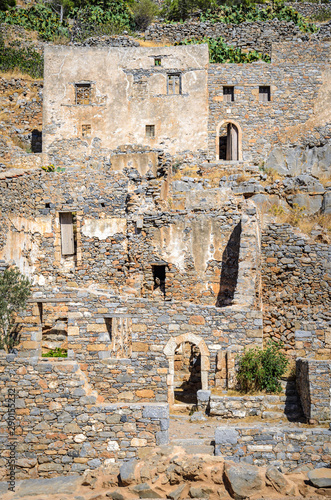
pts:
[272, 175]
[188, 171]
[325, 179]
[297, 217]
[150, 43]
[15, 73]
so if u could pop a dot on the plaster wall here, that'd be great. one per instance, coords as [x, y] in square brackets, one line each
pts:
[128, 92]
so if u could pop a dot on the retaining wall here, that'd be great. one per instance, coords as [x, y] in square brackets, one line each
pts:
[313, 385]
[290, 448]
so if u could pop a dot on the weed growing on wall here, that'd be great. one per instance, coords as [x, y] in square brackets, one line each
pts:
[261, 369]
[15, 289]
[220, 52]
[58, 352]
[25, 60]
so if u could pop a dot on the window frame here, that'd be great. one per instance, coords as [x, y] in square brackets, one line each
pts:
[174, 76]
[264, 90]
[80, 98]
[227, 88]
[150, 131]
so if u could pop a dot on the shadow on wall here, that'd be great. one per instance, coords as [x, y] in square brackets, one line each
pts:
[187, 373]
[230, 266]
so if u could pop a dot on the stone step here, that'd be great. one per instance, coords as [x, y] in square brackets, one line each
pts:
[195, 446]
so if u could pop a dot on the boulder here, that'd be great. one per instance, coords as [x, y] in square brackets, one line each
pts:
[326, 205]
[243, 480]
[280, 482]
[321, 478]
[145, 491]
[127, 472]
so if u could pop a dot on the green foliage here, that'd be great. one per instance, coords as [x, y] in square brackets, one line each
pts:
[26, 60]
[53, 168]
[94, 21]
[323, 15]
[56, 353]
[249, 12]
[220, 52]
[179, 10]
[261, 369]
[144, 12]
[38, 18]
[5, 4]
[14, 292]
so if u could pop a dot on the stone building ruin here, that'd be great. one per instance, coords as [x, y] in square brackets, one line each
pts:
[154, 281]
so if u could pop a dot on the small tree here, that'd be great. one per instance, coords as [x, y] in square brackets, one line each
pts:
[261, 369]
[14, 292]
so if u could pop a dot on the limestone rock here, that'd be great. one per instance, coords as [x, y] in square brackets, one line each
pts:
[243, 480]
[280, 482]
[145, 491]
[321, 478]
[127, 472]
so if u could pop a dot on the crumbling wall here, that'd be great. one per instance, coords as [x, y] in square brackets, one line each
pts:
[296, 290]
[313, 385]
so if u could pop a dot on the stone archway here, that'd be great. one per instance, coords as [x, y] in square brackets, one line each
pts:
[233, 140]
[169, 351]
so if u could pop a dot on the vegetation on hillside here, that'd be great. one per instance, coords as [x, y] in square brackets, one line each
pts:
[26, 60]
[220, 52]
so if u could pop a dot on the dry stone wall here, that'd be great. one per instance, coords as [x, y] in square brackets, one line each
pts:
[291, 448]
[248, 36]
[313, 384]
[296, 290]
[63, 428]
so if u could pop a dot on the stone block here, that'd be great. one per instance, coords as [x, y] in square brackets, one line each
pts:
[156, 412]
[226, 435]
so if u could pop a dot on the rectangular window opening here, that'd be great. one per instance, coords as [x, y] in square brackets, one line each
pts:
[174, 84]
[86, 130]
[157, 61]
[150, 130]
[264, 93]
[68, 224]
[228, 94]
[109, 326]
[83, 93]
[159, 277]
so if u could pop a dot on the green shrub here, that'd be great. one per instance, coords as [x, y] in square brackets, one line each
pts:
[179, 10]
[56, 353]
[5, 4]
[15, 289]
[261, 369]
[25, 60]
[144, 12]
[38, 18]
[220, 52]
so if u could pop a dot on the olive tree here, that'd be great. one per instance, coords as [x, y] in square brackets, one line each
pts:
[14, 292]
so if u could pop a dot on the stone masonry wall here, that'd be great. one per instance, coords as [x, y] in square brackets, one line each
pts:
[313, 385]
[291, 448]
[293, 91]
[126, 362]
[247, 36]
[61, 427]
[296, 290]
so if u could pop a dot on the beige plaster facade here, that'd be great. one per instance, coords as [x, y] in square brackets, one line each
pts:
[128, 91]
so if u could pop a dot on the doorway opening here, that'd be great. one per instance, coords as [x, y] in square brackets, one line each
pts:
[229, 142]
[187, 376]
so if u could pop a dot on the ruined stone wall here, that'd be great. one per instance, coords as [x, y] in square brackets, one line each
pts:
[313, 385]
[248, 36]
[120, 342]
[125, 230]
[294, 89]
[291, 448]
[308, 9]
[296, 290]
[129, 91]
[62, 427]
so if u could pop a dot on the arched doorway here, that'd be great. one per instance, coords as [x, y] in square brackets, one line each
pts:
[197, 352]
[187, 373]
[228, 141]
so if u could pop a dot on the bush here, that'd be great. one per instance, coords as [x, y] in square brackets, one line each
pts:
[38, 18]
[25, 60]
[220, 52]
[261, 369]
[144, 12]
[14, 292]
